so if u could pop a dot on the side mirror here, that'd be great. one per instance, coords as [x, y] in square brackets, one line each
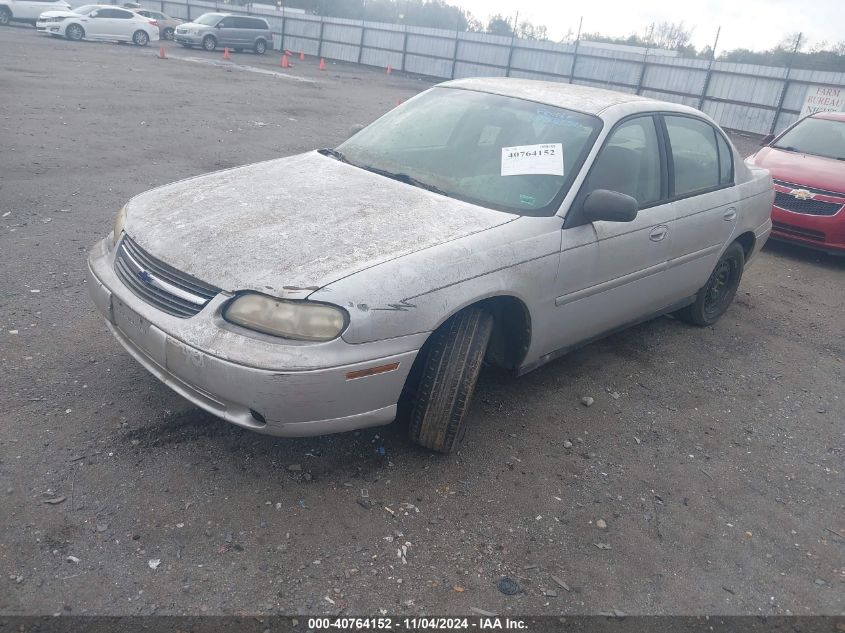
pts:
[219, 25]
[610, 206]
[767, 139]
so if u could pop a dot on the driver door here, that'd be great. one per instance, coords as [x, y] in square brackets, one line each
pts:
[611, 272]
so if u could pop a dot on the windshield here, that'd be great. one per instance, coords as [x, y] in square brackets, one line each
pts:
[500, 152]
[85, 9]
[208, 19]
[821, 137]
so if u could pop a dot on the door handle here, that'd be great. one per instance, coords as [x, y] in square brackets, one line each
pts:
[658, 233]
[730, 214]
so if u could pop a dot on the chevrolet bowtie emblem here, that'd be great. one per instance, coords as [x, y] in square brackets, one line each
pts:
[802, 194]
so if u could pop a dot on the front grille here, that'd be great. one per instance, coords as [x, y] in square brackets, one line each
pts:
[798, 232]
[808, 207]
[158, 284]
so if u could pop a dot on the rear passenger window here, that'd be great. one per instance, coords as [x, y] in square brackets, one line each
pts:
[694, 154]
[630, 162]
[726, 161]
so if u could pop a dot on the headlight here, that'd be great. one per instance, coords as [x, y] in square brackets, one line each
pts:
[302, 320]
[119, 221]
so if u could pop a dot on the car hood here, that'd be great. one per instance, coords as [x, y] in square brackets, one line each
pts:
[816, 172]
[289, 226]
[59, 13]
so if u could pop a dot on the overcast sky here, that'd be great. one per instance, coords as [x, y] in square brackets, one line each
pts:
[754, 24]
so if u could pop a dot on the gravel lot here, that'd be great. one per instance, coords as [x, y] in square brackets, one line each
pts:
[714, 456]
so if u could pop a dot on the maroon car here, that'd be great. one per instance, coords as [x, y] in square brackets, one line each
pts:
[807, 163]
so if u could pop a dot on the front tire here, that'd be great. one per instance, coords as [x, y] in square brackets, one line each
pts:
[713, 299]
[5, 16]
[140, 38]
[74, 32]
[260, 47]
[209, 43]
[448, 376]
[167, 34]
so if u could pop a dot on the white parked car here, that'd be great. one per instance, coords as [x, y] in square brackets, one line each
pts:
[28, 10]
[99, 22]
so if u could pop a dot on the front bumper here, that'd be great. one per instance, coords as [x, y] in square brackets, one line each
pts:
[187, 38]
[824, 233]
[278, 400]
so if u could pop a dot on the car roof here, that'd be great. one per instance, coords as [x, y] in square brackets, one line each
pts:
[830, 116]
[585, 99]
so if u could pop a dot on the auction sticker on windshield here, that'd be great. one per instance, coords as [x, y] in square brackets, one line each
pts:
[543, 159]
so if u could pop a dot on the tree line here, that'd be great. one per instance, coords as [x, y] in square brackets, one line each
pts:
[793, 50]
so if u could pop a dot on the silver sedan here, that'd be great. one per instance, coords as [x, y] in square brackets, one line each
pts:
[485, 220]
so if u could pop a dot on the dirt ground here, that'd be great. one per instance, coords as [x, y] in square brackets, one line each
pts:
[714, 456]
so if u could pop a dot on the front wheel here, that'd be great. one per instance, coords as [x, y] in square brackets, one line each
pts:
[74, 32]
[260, 47]
[167, 34]
[713, 299]
[447, 381]
[5, 16]
[140, 38]
[209, 43]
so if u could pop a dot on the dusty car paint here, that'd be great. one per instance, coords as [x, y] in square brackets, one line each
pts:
[400, 260]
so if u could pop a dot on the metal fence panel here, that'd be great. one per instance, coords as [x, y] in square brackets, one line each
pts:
[342, 33]
[434, 46]
[739, 96]
[428, 66]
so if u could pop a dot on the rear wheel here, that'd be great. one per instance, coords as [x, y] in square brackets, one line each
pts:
[5, 16]
[449, 372]
[140, 38]
[260, 47]
[209, 43]
[167, 34]
[74, 32]
[713, 299]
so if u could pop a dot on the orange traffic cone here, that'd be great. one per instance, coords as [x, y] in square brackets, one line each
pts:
[162, 54]
[285, 62]
[301, 56]
[226, 54]
[322, 64]
[389, 69]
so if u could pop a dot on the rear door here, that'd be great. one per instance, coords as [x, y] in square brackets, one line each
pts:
[125, 23]
[98, 24]
[705, 199]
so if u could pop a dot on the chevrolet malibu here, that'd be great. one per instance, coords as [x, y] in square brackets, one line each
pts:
[485, 220]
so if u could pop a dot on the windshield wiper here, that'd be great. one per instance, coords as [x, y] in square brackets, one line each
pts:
[328, 151]
[408, 180]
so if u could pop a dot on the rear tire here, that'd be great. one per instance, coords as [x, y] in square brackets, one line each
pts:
[140, 38]
[716, 296]
[450, 369]
[74, 32]
[209, 43]
[5, 16]
[167, 34]
[260, 47]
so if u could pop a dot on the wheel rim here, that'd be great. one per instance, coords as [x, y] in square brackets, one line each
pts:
[140, 38]
[720, 287]
[209, 44]
[168, 34]
[74, 32]
[260, 48]
[4, 17]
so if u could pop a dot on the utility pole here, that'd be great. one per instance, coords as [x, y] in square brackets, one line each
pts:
[510, 51]
[575, 54]
[709, 70]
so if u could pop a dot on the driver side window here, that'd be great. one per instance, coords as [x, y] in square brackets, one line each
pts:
[629, 162]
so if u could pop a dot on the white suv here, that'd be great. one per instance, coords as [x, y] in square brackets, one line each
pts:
[28, 10]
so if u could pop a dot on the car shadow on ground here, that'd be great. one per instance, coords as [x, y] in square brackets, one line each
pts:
[803, 254]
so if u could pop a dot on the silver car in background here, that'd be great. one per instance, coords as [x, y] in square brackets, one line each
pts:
[485, 220]
[217, 30]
